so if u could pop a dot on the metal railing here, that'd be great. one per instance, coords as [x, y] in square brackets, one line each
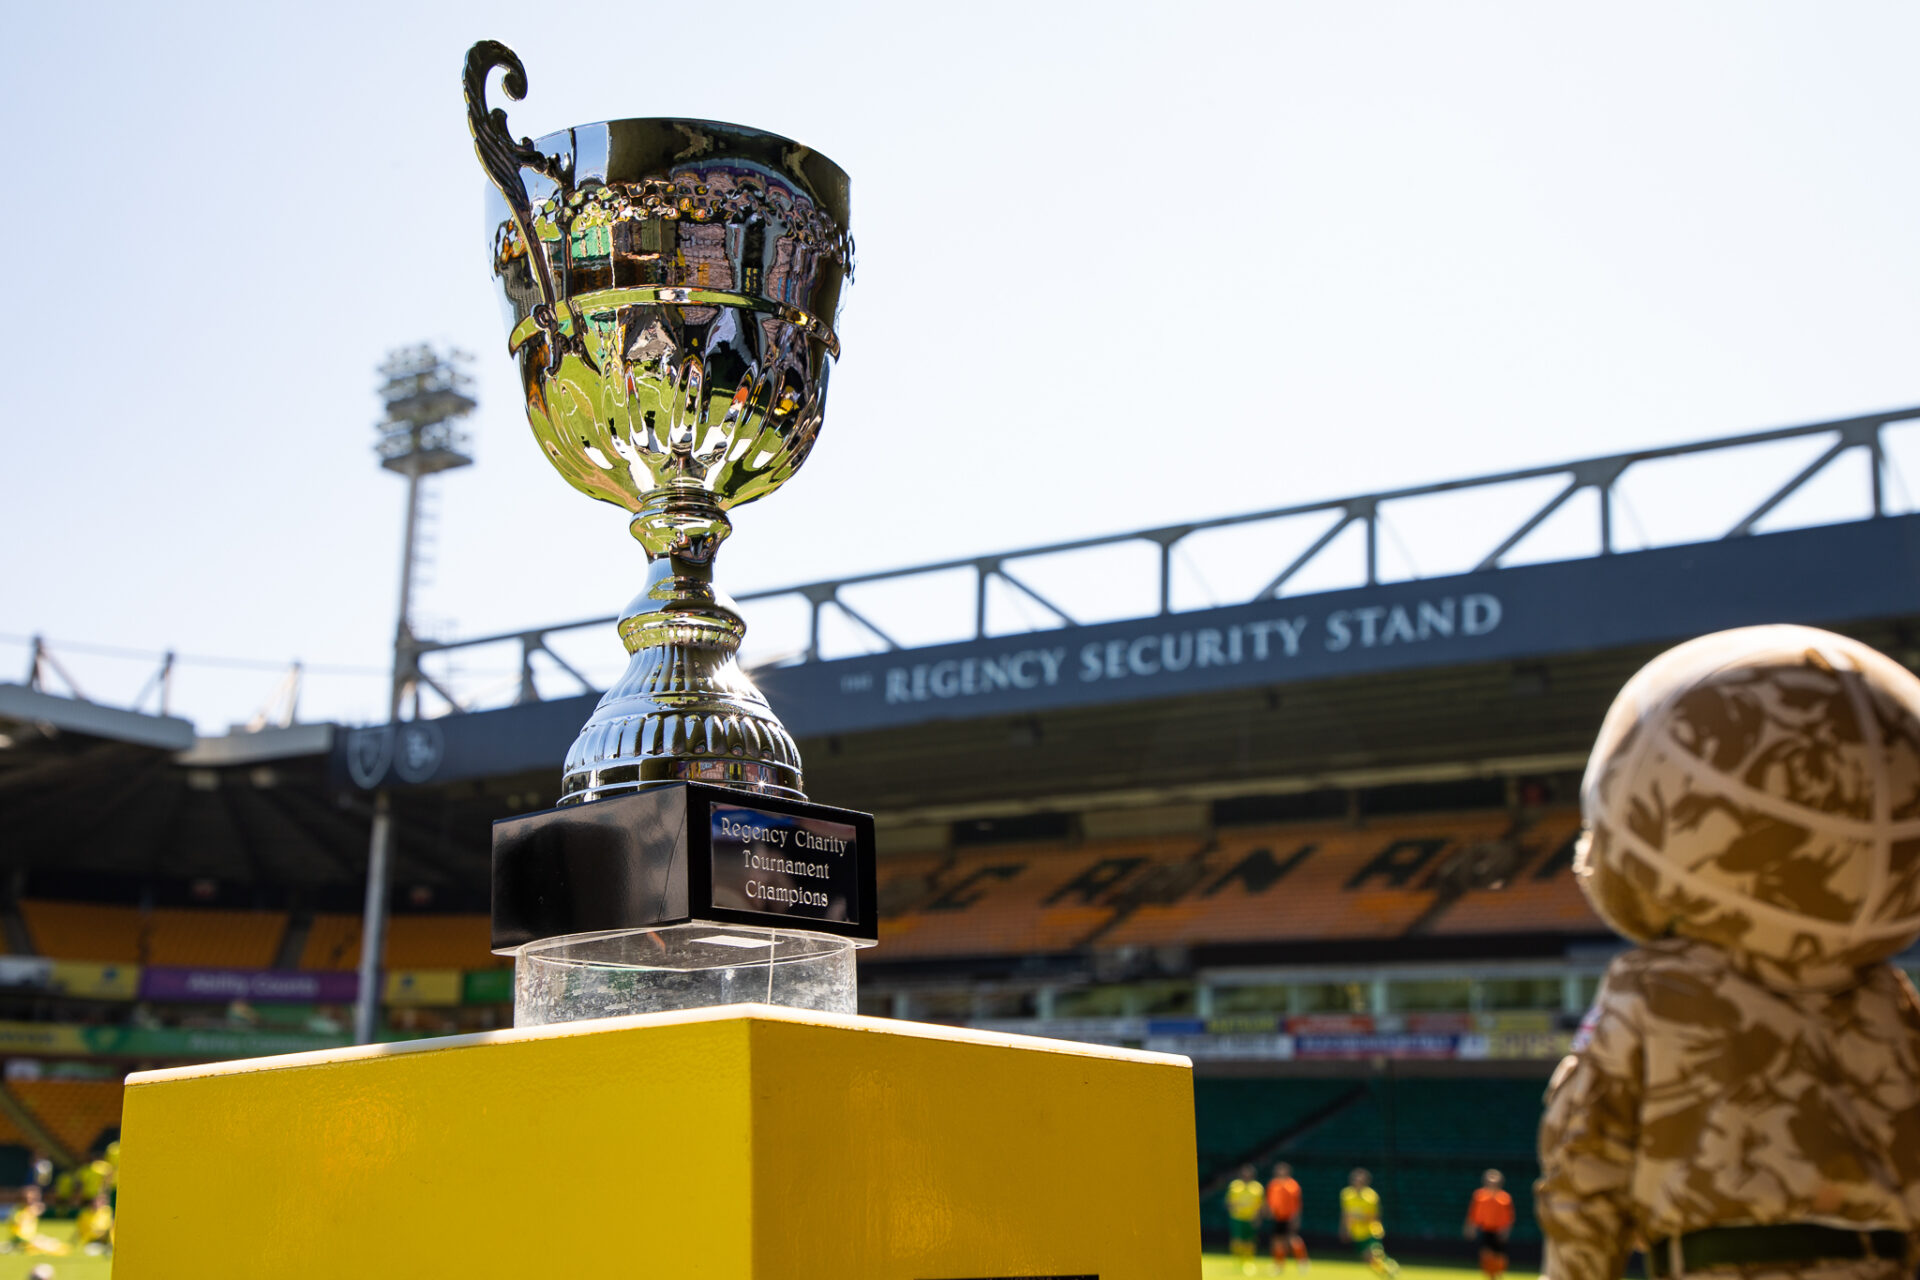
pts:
[1601, 475]
[47, 672]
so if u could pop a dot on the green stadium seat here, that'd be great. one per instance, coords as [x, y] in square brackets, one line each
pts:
[1426, 1142]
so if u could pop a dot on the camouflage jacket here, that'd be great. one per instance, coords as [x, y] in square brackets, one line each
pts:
[1695, 1096]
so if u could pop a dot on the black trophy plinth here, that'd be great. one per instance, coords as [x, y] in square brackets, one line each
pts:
[678, 853]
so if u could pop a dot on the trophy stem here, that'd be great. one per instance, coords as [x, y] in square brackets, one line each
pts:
[685, 710]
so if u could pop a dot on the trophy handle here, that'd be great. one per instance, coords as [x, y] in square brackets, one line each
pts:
[503, 159]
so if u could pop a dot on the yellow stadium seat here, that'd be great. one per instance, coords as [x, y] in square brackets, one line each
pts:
[84, 931]
[75, 1111]
[413, 942]
[1309, 881]
[192, 936]
[212, 938]
[333, 942]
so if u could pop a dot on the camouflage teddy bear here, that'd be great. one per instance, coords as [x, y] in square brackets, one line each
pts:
[1745, 1093]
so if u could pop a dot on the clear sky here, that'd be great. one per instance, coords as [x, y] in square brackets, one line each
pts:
[1119, 263]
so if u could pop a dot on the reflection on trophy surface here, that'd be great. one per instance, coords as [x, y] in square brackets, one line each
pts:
[671, 289]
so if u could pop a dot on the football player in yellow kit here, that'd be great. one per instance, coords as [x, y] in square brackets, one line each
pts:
[1245, 1200]
[1360, 1223]
[93, 1229]
[23, 1226]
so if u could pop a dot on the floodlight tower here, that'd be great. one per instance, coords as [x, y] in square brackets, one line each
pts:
[425, 392]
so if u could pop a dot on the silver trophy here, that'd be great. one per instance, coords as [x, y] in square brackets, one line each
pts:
[671, 290]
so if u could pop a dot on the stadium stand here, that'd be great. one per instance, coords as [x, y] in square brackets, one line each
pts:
[1244, 1119]
[442, 942]
[10, 1133]
[68, 1120]
[413, 942]
[82, 1114]
[1487, 872]
[84, 931]
[213, 938]
[204, 937]
[1340, 880]
[333, 942]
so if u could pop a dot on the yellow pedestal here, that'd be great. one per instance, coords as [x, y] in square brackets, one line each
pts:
[737, 1142]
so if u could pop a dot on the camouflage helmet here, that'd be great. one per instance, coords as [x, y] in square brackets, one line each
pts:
[1759, 789]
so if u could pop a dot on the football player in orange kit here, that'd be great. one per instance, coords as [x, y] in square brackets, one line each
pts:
[1283, 1209]
[1490, 1217]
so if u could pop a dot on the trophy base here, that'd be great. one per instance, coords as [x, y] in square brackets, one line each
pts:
[681, 966]
[744, 1143]
[682, 852]
[679, 897]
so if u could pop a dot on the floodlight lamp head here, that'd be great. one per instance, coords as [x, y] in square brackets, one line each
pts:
[425, 393]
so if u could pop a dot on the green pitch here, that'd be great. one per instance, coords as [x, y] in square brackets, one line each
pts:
[14, 1266]
[1214, 1266]
[1220, 1266]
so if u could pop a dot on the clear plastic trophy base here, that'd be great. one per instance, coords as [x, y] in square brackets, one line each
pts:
[682, 966]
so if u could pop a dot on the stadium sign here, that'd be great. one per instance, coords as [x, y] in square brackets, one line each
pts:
[84, 979]
[32, 972]
[1530, 611]
[1827, 575]
[424, 987]
[92, 980]
[64, 1040]
[1401, 1046]
[486, 986]
[260, 986]
[1276, 639]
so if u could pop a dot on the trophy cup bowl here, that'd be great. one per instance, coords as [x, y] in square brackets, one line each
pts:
[671, 289]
